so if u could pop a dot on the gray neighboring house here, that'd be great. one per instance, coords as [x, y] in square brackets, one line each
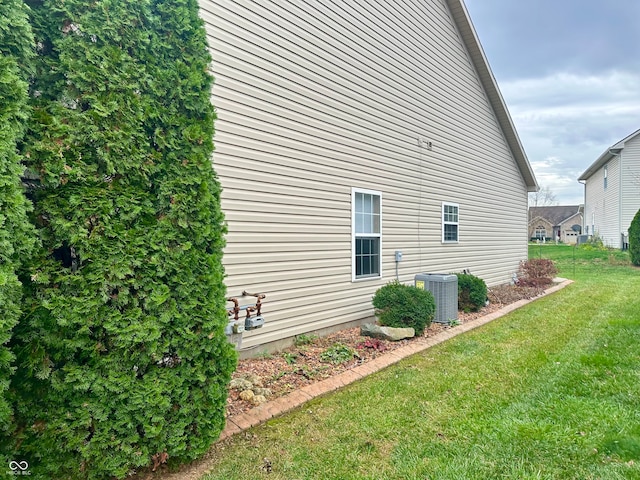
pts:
[563, 222]
[358, 143]
[612, 192]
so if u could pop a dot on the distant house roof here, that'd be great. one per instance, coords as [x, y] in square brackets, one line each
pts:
[471, 41]
[555, 215]
[606, 156]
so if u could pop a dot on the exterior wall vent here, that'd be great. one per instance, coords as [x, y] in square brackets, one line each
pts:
[444, 289]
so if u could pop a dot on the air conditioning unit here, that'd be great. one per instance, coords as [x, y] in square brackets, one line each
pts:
[583, 239]
[444, 289]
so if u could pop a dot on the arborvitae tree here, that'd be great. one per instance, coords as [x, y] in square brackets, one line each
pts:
[16, 233]
[634, 239]
[123, 361]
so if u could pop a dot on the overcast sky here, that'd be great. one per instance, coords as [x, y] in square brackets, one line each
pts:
[569, 71]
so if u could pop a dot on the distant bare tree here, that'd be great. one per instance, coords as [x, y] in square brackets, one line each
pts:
[542, 198]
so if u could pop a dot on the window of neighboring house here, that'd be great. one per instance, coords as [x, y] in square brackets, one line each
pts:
[541, 232]
[450, 222]
[606, 171]
[366, 206]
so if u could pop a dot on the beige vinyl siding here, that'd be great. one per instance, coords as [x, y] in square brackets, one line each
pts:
[630, 190]
[593, 200]
[602, 204]
[610, 209]
[316, 98]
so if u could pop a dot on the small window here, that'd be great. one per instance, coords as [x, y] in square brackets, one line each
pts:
[450, 223]
[366, 221]
[606, 171]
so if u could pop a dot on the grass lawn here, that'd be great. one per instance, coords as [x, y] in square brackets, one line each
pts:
[551, 391]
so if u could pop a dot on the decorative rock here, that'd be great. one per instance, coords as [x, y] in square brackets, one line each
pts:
[386, 333]
[259, 399]
[247, 395]
[240, 384]
[255, 380]
[265, 392]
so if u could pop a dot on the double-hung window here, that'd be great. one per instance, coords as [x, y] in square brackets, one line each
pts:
[450, 222]
[366, 221]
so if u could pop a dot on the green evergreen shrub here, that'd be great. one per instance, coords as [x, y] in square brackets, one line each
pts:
[472, 292]
[16, 233]
[634, 239]
[123, 362]
[399, 305]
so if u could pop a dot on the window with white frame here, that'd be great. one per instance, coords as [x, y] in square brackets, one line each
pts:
[366, 206]
[606, 175]
[450, 222]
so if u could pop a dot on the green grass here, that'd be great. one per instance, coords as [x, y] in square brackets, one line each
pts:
[581, 262]
[550, 391]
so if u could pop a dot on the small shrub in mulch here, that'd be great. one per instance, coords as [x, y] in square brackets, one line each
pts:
[338, 353]
[472, 292]
[373, 344]
[536, 272]
[401, 306]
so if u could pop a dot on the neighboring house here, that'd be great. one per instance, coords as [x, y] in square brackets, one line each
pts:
[553, 223]
[612, 192]
[347, 132]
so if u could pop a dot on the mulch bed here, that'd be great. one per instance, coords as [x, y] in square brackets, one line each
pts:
[297, 366]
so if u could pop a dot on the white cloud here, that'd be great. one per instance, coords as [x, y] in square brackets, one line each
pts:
[569, 72]
[565, 121]
[552, 174]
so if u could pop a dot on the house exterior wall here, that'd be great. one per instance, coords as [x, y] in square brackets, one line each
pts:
[630, 184]
[609, 212]
[539, 222]
[567, 234]
[315, 99]
[602, 204]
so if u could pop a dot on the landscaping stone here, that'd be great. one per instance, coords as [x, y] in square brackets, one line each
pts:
[247, 395]
[386, 333]
[255, 380]
[265, 392]
[259, 399]
[240, 384]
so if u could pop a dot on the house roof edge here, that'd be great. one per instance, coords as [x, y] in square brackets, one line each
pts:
[607, 155]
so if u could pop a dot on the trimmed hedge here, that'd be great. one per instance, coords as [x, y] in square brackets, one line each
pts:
[16, 233]
[634, 239]
[472, 292]
[399, 305]
[123, 361]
